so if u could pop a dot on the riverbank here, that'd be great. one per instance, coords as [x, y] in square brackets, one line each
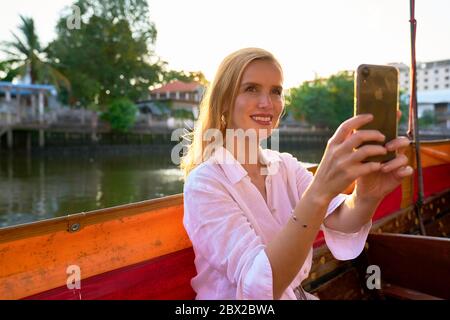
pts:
[57, 181]
[31, 140]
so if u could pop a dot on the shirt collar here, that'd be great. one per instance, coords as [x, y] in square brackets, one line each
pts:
[234, 170]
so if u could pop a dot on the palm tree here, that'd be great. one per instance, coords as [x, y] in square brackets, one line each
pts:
[27, 58]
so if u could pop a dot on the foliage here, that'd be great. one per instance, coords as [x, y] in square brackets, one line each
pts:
[329, 102]
[27, 58]
[427, 119]
[121, 114]
[404, 108]
[108, 57]
[325, 103]
[135, 12]
[185, 76]
[6, 73]
[182, 114]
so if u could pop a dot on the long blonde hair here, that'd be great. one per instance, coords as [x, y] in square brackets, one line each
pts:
[216, 107]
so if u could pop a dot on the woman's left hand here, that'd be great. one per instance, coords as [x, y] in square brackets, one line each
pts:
[377, 185]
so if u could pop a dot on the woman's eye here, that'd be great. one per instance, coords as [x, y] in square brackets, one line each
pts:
[277, 92]
[250, 89]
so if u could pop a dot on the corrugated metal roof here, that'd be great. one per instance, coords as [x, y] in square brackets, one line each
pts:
[25, 88]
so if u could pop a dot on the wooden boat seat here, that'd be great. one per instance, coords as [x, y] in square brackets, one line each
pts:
[412, 267]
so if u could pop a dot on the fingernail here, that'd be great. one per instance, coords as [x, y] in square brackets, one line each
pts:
[407, 170]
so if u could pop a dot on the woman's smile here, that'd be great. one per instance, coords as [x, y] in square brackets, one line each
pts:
[262, 119]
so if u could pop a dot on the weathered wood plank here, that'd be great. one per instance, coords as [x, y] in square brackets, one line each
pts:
[346, 286]
[401, 293]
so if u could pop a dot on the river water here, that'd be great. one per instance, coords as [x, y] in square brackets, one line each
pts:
[71, 180]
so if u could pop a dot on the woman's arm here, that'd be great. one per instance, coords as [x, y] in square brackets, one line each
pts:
[289, 249]
[337, 170]
[352, 214]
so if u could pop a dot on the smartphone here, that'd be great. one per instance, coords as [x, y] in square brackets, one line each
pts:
[376, 92]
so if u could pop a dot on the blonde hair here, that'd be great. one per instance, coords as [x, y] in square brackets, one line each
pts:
[216, 107]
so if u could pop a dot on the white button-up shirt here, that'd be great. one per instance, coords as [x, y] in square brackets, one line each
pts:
[230, 224]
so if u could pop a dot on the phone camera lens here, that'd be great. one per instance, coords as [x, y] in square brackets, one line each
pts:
[365, 71]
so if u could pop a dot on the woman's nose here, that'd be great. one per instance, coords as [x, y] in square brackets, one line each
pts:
[265, 101]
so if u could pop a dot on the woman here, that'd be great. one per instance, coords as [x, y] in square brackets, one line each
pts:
[252, 223]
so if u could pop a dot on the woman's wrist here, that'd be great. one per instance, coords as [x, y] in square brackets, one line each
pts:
[317, 196]
[362, 198]
[367, 202]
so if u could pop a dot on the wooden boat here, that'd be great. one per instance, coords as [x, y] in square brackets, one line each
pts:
[141, 250]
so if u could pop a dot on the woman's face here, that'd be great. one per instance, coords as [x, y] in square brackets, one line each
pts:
[259, 101]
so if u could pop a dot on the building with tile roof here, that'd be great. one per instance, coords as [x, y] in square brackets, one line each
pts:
[175, 96]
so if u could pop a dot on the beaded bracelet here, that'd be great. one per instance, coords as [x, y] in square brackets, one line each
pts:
[296, 220]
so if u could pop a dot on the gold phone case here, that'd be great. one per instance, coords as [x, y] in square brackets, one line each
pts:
[376, 92]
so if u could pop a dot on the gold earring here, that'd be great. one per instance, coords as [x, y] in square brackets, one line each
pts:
[223, 121]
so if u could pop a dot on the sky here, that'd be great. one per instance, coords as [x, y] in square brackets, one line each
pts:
[309, 38]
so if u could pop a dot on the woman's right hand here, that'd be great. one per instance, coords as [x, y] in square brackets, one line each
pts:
[342, 162]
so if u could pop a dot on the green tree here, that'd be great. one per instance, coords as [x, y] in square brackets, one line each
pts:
[108, 57]
[26, 57]
[135, 12]
[121, 114]
[325, 103]
[6, 73]
[404, 108]
[185, 76]
[183, 114]
[427, 119]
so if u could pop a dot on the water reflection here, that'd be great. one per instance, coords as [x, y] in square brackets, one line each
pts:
[39, 187]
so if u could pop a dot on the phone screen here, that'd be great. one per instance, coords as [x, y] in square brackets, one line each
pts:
[376, 92]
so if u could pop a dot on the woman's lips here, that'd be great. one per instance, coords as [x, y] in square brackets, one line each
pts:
[262, 119]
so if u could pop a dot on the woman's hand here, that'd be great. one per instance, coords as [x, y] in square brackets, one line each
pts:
[378, 184]
[342, 163]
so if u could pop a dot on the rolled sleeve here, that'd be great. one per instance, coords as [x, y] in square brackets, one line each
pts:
[258, 282]
[344, 246]
[221, 233]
